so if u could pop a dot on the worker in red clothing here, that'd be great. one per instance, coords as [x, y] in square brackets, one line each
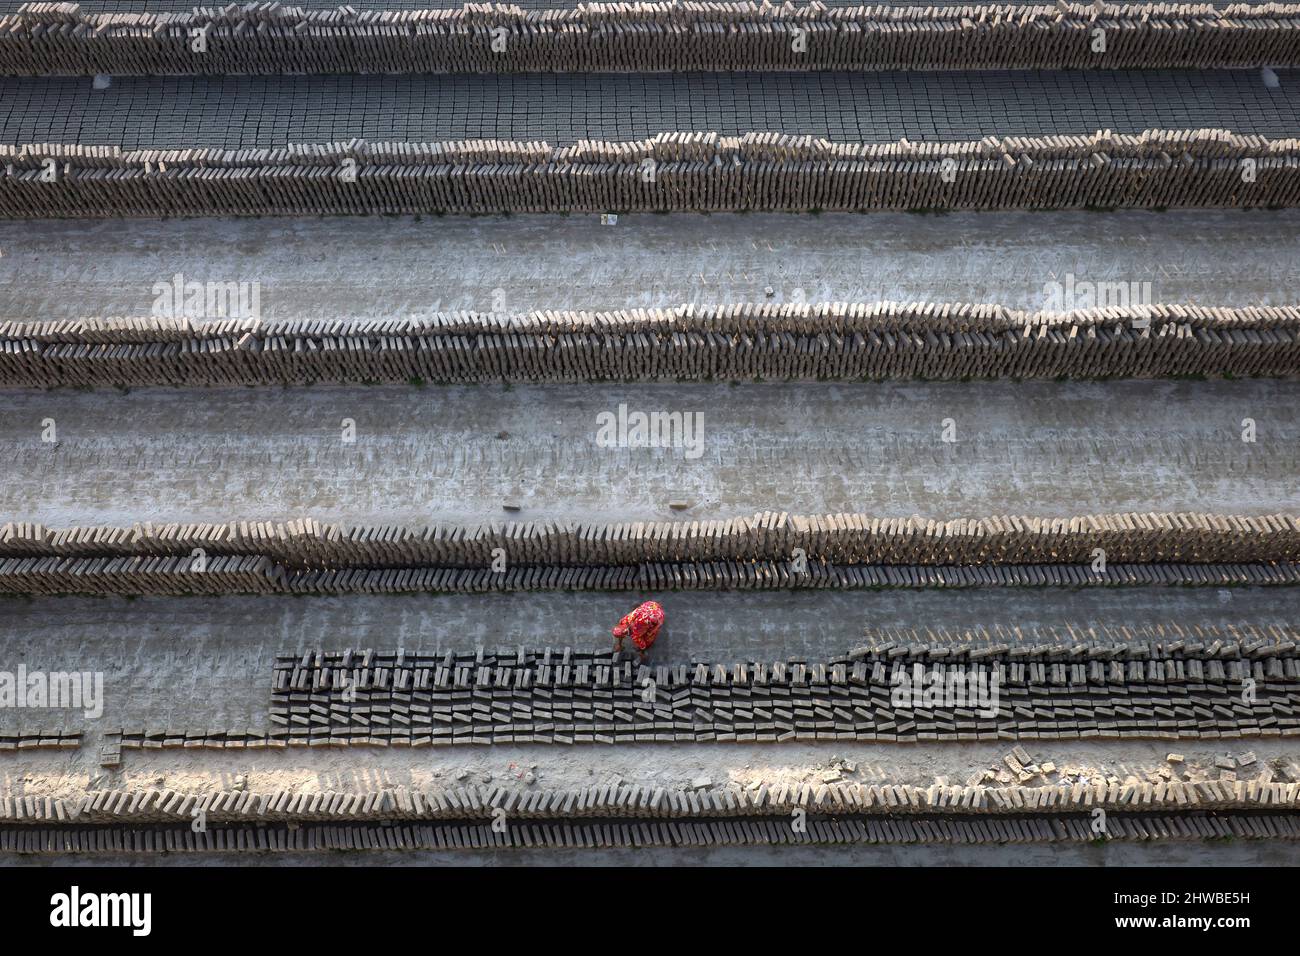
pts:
[642, 625]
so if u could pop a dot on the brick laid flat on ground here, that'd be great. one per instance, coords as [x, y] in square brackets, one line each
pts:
[199, 662]
[245, 112]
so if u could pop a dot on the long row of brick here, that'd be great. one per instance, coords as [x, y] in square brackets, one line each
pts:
[838, 318]
[838, 539]
[16, 741]
[896, 693]
[474, 801]
[839, 341]
[257, 574]
[348, 698]
[670, 172]
[520, 667]
[153, 840]
[267, 38]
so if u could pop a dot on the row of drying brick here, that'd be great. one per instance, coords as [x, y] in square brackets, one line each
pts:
[677, 187]
[1157, 169]
[1067, 642]
[259, 575]
[885, 711]
[39, 739]
[1204, 642]
[478, 801]
[57, 39]
[633, 834]
[480, 671]
[1168, 146]
[559, 696]
[783, 538]
[366, 699]
[1088, 352]
[204, 331]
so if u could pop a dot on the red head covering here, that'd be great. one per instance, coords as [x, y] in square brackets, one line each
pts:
[642, 624]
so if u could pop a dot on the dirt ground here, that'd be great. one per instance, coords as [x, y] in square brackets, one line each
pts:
[461, 454]
[400, 266]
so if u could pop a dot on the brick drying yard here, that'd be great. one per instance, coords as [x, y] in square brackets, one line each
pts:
[985, 348]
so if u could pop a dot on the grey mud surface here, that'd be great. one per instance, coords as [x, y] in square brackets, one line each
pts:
[388, 268]
[459, 454]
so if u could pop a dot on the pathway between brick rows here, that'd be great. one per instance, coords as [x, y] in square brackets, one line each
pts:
[386, 268]
[462, 454]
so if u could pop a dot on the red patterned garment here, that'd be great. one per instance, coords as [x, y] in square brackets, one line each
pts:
[642, 625]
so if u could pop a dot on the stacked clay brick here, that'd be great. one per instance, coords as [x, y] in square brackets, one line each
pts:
[158, 820]
[1046, 827]
[306, 556]
[475, 801]
[163, 576]
[552, 697]
[669, 172]
[1188, 696]
[774, 575]
[266, 38]
[769, 535]
[840, 341]
[37, 739]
